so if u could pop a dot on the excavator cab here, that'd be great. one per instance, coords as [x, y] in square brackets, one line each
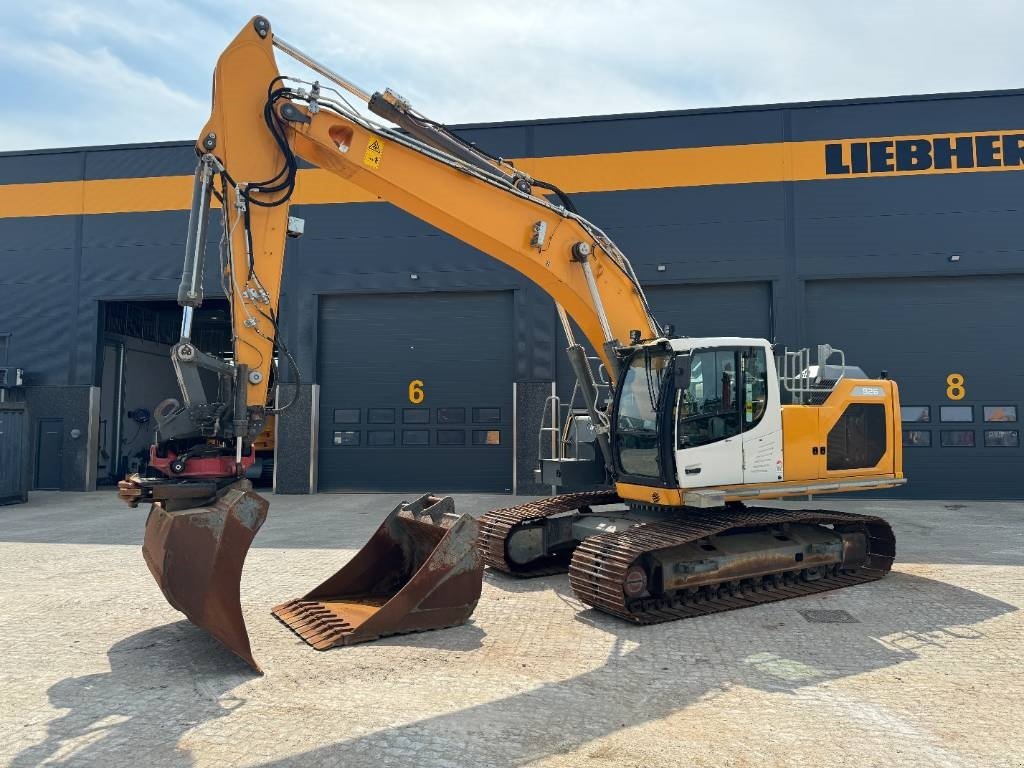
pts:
[699, 420]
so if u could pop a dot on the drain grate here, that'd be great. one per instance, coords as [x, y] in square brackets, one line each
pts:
[820, 616]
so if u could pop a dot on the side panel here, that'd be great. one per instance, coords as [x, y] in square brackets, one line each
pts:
[801, 441]
[855, 427]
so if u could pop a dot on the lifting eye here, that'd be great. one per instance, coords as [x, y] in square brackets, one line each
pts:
[341, 136]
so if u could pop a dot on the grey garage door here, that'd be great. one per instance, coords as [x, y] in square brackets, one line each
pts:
[924, 331]
[714, 309]
[416, 392]
[698, 309]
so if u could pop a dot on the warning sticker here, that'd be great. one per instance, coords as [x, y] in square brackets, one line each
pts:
[374, 151]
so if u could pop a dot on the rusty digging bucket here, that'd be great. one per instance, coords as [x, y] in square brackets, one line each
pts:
[420, 570]
[196, 557]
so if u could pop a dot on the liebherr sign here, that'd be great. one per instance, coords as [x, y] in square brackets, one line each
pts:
[956, 152]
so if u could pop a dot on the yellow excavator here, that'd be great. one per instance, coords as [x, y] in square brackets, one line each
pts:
[666, 444]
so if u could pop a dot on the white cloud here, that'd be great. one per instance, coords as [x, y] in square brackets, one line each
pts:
[110, 96]
[140, 71]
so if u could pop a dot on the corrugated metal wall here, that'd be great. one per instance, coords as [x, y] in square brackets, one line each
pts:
[786, 236]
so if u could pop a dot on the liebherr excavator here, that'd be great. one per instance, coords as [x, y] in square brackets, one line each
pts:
[692, 430]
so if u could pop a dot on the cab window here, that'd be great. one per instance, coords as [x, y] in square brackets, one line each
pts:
[727, 395]
[755, 386]
[709, 407]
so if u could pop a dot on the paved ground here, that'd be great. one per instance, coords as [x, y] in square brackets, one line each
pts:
[96, 669]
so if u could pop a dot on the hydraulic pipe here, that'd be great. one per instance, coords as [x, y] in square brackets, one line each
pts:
[316, 66]
[588, 387]
[190, 292]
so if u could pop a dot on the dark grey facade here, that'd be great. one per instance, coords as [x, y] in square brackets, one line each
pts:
[920, 275]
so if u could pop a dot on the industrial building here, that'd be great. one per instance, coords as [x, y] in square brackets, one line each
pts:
[889, 228]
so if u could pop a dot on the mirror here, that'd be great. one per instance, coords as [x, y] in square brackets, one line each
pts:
[681, 371]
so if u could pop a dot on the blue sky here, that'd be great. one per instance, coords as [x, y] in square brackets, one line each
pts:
[106, 72]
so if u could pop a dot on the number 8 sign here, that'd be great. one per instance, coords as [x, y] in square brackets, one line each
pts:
[955, 386]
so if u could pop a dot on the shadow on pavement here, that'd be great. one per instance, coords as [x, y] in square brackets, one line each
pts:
[649, 674]
[124, 713]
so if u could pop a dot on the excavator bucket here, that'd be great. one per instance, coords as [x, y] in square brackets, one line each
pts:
[420, 570]
[196, 557]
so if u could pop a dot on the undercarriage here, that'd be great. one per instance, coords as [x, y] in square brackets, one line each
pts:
[649, 564]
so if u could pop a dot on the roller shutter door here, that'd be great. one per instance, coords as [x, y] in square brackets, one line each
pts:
[922, 331]
[374, 435]
[714, 309]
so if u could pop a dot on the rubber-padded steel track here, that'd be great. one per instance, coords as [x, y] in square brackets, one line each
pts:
[599, 565]
[497, 525]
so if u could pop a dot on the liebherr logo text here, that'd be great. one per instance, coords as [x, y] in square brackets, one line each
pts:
[986, 150]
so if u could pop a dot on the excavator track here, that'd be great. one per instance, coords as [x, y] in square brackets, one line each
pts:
[600, 564]
[498, 525]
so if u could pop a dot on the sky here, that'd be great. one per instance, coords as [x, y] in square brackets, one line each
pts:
[121, 71]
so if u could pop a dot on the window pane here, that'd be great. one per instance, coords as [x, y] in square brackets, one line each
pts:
[1000, 413]
[346, 415]
[1002, 438]
[451, 415]
[380, 437]
[916, 413]
[963, 413]
[487, 415]
[380, 415]
[451, 437]
[917, 438]
[346, 438]
[957, 438]
[636, 435]
[415, 437]
[709, 408]
[486, 437]
[416, 415]
[755, 386]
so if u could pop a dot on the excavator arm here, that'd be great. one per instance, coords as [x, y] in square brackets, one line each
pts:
[204, 516]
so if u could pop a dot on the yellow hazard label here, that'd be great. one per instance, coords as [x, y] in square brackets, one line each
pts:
[374, 152]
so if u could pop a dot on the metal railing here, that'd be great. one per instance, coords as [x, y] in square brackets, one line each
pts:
[557, 421]
[810, 384]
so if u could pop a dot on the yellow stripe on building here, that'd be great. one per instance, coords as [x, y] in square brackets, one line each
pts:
[606, 172]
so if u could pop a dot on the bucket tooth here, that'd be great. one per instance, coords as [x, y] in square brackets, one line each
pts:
[420, 570]
[196, 556]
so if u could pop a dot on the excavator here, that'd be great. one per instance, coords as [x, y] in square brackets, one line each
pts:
[676, 441]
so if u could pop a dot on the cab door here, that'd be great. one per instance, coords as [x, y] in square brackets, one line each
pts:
[709, 435]
[761, 418]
